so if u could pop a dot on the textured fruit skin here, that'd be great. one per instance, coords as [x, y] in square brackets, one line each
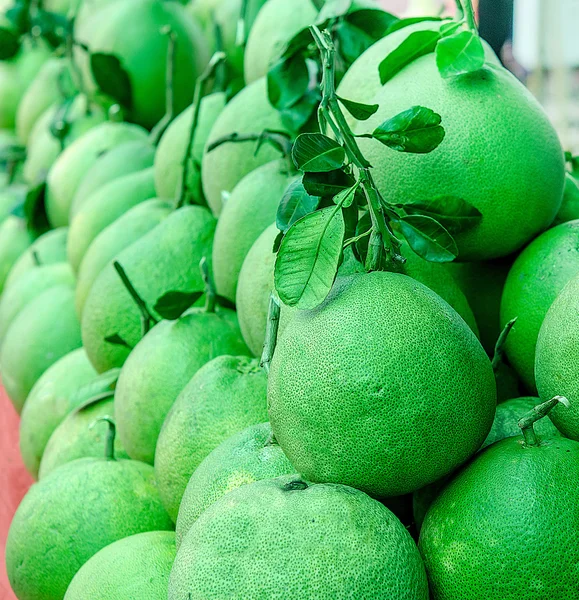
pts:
[14, 240]
[104, 207]
[367, 552]
[166, 259]
[382, 387]
[134, 567]
[246, 457]
[53, 396]
[173, 146]
[72, 165]
[44, 330]
[499, 531]
[86, 505]
[224, 167]
[132, 31]
[265, 43]
[74, 438]
[569, 210]
[250, 209]
[223, 397]
[160, 367]
[535, 280]
[32, 283]
[482, 134]
[124, 231]
[556, 358]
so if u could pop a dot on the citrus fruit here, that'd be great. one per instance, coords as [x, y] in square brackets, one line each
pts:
[43, 331]
[223, 168]
[388, 372]
[165, 260]
[537, 276]
[172, 148]
[72, 165]
[245, 457]
[223, 397]
[161, 365]
[15, 238]
[569, 210]
[249, 210]
[104, 207]
[137, 566]
[120, 234]
[367, 552]
[516, 494]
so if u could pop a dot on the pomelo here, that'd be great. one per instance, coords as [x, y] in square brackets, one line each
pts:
[226, 395]
[383, 386]
[569, 210]
[15, 238]
[367, 552]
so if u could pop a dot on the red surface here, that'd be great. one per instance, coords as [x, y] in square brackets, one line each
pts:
[14, 482]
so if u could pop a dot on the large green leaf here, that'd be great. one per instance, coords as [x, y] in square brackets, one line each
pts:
[428, 238]
[459, 54]
[453, 213]
[317, 153]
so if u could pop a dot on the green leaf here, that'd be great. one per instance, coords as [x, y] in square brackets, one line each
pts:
[35, 209]
[454, 214]
[287, 81]
[402, 23]
[351, 41]
[298, 44]
[317, 153]
[327, 184]
[428, 238]
[295, 117]
[295, 204]
[117, 340]
[224, 302]
[111, 78]
[459, 54]
[9, 43]
[172, 305]
[333, 9]
[346, 197]
[100, 384]
[372, 21]
[360, 247]
[417, 130]
[417, 44]
[448, 29]
[360, 112]
[308, 258]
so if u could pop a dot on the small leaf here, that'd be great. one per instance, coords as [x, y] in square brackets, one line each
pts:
[100, 384]
[277, 242]
[327, 184]
[308, 258]
[454, 214]
[459, 54]
[428, 238]
[351, 41]
[346, 197]
[287, 81]
[117, 340]
[172, 305]
[111, 78]
[360, 112]
[298, 44]
[417, 130]
[372, 21]
[417, 44]
[317, 153]
[402, 23]
[295, 204]
[295, 117]
[448, 29]
[9, 44]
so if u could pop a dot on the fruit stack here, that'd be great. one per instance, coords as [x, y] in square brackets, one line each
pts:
[289, 306]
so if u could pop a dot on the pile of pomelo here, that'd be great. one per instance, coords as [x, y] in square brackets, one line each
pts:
[289, 306]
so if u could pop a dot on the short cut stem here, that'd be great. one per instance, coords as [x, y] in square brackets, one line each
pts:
[111, 435]
[538, 412]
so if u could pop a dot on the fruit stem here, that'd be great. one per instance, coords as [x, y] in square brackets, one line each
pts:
[183, 191]
[278, 139]
[111, 435]
[210, 294]
[36, 258]
[270, 333]
[500, 345]
[459, 11]
[468, 12]
[147, 319]
[241, 33]
[538, 412]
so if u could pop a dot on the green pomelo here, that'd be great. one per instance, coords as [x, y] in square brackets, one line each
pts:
[161, 365]
[134, 567]
[27, 287]
[48, 249]
[73, 164]
[499, 530]
[388, 372]
[272, 530]
[225, 396]
[71, 514]
[45, 330]
[556, 358]
[57, 392]
[249, 210]
[132, 30]
[482, 135]
[265, 43]
[569, 210]
[76, 436]
[535, 280]
[170, 155]
[224, 167]
[104, 207]
[127, 158]
[246, 457]
[164, 260]
[43, 148]
[41, 94]
[15, 238]
[127, 229]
